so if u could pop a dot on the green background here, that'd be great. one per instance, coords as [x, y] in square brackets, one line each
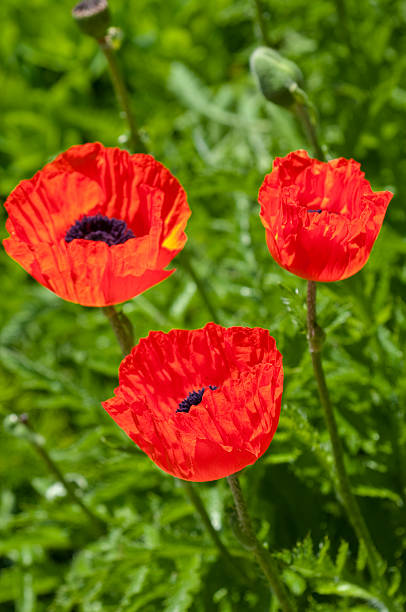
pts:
[186, 64]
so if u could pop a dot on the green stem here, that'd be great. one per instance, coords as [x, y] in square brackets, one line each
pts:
[310, 129]
[137, 145]
[399, 447]
[342, 13]
[185, 260]
[262, 556]
[315, 339]
[261, 23]
[199, 506]
[123, 98]
[122, 328]
[37, 443]
[120, 323]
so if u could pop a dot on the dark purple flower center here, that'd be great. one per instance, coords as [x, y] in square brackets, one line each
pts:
[318, 210]
[100, 228]
[193, 399]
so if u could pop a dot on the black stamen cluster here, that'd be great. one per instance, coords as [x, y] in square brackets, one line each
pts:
[193, 399]
[100, 228]
[318, 210]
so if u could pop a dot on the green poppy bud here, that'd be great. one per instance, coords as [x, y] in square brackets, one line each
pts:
[93, 17]
[277, 76]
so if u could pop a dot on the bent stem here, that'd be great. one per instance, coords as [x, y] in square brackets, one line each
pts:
[310, 128]
[122, 95]
[39, 446]
[315, 338]
[250, 541]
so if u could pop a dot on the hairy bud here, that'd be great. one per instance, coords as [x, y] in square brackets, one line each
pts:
[277, 76]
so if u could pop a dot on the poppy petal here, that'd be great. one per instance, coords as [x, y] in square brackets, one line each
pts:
[321, 219]
[240, 371]
[92, 180]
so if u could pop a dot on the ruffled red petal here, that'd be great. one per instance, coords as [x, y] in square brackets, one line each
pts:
[321, 246]
[231, 427]
[86, 180]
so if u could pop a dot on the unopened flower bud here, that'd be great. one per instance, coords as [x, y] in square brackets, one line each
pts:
[93, 17]
[277, 76]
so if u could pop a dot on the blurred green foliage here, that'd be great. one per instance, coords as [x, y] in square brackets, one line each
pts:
[186, 63]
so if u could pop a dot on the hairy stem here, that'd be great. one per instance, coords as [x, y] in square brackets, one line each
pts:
[250, 541]
[196, 500]
[39, 446]
[344, 21]
[310, 129]
[198, 504]
[122, 95]
[186, 260]
[345, 494]
[122, 328]
[262, 22]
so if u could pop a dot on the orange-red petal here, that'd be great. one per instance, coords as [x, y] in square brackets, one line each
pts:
[231, 427]
[321, 219]
[87, 180]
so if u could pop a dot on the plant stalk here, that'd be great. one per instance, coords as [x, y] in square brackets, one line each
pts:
[123, 98]
[315, 339]
[186, 261]
[344, 21]
[310, 129]
[120, 323]
[199, 506]
[54, 468]
[122, 328]
[250, 541]
[137, 145]
[262, 23]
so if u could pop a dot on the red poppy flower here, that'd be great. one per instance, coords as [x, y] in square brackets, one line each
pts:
[203, 404]
[97, 226]
[321, 219]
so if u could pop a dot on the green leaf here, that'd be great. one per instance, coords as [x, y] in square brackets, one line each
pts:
[188, 583]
